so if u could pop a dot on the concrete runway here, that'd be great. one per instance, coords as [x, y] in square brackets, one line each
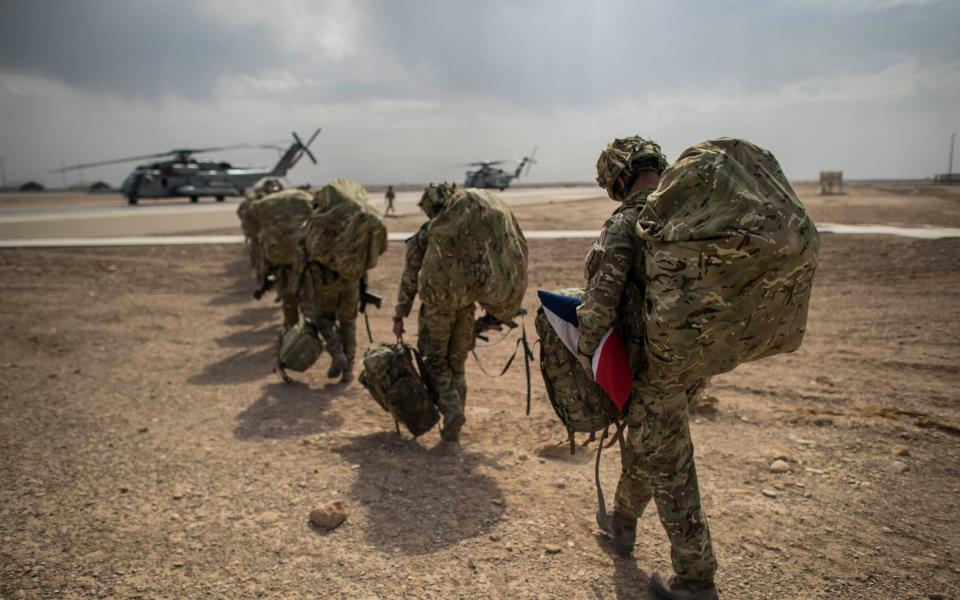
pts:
[109, 221]
[114, 218]
[928, 233]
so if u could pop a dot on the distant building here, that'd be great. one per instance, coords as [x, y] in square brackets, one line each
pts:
[831, 182]
[31, 186]
[100, 187]
[947, 178]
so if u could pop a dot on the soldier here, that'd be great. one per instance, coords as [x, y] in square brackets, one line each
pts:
[446, 333]
[389, 197]
[657, 461]
[331, 302]
[271, 276]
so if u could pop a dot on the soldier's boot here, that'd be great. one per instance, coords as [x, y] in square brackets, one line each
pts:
[622, 530]
[452, 424]
[339, 365]
[676, 588]
[327, 329]
[347, 375]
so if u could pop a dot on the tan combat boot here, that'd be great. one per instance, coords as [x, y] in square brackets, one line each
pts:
[622, 532]
[347, 375]
[338, 363]
[676, 588]
[452, 424]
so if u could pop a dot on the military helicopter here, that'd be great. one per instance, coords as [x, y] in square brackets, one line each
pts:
[181, 175]
[487, 175]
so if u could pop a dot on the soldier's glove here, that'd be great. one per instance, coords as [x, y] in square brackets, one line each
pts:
[587, 363]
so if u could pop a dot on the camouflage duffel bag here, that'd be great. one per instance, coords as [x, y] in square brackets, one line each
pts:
[300, 347]
[394, 382]
[729, 262]
[576, 398]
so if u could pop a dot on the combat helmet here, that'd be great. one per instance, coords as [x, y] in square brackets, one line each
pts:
[269, 186]
[629, 156]
[435, 196]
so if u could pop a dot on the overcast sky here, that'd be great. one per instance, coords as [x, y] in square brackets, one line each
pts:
[407, 90]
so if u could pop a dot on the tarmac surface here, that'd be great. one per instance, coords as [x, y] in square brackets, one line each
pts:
[60, 220]
[110, 216]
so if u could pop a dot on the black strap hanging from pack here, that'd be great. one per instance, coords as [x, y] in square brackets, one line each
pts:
[523, 344]
[602, 519]
[366, 321]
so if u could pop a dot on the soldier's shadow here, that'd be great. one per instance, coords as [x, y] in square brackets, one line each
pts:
[421, 500]
[629, 581]
[241, 290]
[240, 367]
[288, 410]
[254, 315]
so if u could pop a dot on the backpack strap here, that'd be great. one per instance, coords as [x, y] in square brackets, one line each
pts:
[602, 519]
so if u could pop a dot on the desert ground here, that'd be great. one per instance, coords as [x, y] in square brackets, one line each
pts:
[148, 451]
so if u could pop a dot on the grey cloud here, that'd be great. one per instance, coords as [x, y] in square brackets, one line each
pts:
[129, 48]
[535, 55]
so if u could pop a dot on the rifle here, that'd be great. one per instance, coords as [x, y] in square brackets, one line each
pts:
[368, 297]
[488, 322]
[269, 280]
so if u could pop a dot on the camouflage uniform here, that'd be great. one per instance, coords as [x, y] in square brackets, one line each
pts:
[657, 461]
[445, 333]
[286, 280]
[332, 302]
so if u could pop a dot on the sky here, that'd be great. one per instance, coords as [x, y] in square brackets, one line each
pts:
[410, 90]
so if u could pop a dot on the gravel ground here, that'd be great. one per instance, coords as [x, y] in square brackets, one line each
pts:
[148, 451]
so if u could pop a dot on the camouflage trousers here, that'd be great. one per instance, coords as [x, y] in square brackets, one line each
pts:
[446, 337]
[332, 303]
[657, 463]
[287, 294]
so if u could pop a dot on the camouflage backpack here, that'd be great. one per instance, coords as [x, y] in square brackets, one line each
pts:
[345, 232]
[576, 398]
[393, 381]
[300, 347]
[476, 252]
[273, 224]
[729, 262]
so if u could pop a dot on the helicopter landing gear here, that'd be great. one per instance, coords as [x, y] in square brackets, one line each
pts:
[220, 198]
[132, 199]
[194, 199]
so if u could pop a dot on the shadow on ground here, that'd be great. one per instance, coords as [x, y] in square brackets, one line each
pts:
[256, 315]
[289, 410]
[247, 338]
[629, 581]
[421, 500]
[241, 367]
[244, 282]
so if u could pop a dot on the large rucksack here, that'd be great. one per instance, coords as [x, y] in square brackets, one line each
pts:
[576, 398]
[476, 252]
[274, 223]
[398, 387]
[729, 262]
[345, 232]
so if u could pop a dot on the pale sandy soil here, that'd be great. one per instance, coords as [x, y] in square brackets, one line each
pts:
[146, 450]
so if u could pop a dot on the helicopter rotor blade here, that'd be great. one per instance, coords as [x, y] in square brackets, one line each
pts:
[530, 161]
[303, 147]
[114, 161]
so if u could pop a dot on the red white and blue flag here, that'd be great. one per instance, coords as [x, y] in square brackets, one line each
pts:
[611, 366]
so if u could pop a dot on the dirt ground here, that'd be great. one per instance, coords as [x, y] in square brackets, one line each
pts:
[146, 449]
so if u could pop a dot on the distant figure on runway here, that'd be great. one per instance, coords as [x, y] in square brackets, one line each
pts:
[390, 196]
